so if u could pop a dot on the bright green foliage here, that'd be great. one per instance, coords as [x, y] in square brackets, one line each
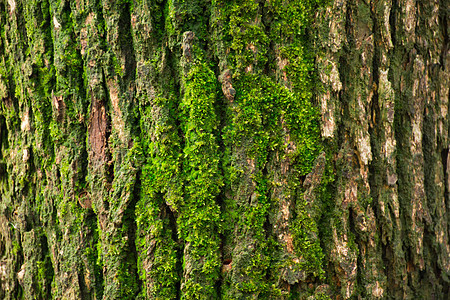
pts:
[306, 243]
[41, 75]
[200, 214]
[154, 238]
[262, 108]
[162, 213]
[265, 45]
[162, 143]
[160, 193]
[293, 52]
[250, 42]
[242, 32]
[322, 296]
[116, 242]
[182, 16]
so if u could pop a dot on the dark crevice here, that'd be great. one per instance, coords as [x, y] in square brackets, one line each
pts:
[176, 87]
[447, 178]
[126, 43]
[101, 24]
[399, 64]
[93, 240]
[167, 74]
[443, 22]
[267, 226]
[83, 160]
[375, 109]
[172, 220]
[432, 263]
[388, 259]
[444, 158]
[344, 70]
[179, 268]
[377, 168]
[48, 267]
[225, 259]
[268, 68]
[220, 109]
[324, 224]
[161, 22]
[206, 45]
[108, 156]
[82, 284]
[429, 140]
[21, 27]
[18, 259]
[170, 215]
[349, 25]
[356, 239]
[48, 36]
[410, 267]
[132, 228]
[393, 22]
[445, 155]
[169, 218]
[3, 143]
[31, 187]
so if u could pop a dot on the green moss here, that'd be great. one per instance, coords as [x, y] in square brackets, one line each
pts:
[154, 229]
[242, 31]
[161, 192]
[161, 142]
[260, 111]
[306, 242]
[264, 114]
[199, 218]
[44, 275]
[116, 243]
[93, 255]
[261, 104]
[182, 16]
[321, 296]
[15, 248]
[179, 196]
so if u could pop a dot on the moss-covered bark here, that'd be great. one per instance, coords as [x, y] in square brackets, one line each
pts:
[168, 149]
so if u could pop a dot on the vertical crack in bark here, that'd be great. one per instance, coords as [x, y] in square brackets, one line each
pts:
[378, 166]
[21, 27]
[393, 22]
[130, 218]
[444, 16]
[104, 127]
[172, 225]
[48, 266]
[126, 42]
[94, 262]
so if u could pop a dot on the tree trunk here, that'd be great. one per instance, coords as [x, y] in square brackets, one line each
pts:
[281, 149]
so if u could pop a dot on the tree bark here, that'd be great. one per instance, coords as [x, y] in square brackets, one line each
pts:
[282, 149]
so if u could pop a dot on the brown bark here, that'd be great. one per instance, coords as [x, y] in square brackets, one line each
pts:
[278, 149]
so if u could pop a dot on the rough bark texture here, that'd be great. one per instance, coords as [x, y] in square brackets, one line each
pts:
[260, 149]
